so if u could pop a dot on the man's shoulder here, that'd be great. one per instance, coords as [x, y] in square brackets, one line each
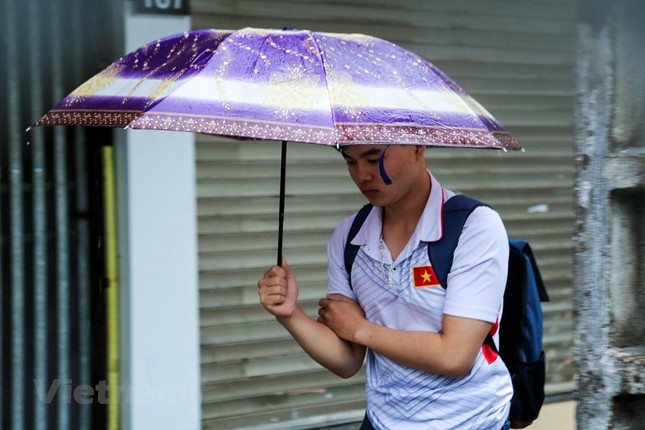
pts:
[484, 228]
[485, 215]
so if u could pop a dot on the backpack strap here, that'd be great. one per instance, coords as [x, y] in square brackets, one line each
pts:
[455, 212]
[441, 252]
[350, 249]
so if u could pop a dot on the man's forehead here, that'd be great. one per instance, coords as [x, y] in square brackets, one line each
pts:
[358, 151]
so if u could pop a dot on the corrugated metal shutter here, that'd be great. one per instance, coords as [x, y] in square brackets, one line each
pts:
[51, 239]
[515, 57]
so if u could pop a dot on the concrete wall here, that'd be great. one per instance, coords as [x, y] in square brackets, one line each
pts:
[609, 340]
[158, 250]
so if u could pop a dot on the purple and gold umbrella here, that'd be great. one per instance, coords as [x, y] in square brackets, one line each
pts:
[284, 85]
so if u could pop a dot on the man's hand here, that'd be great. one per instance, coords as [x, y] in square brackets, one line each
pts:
[341, 314]
[278, 291]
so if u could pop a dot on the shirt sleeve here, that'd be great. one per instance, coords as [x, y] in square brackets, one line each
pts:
[336, 272]
[477, 278]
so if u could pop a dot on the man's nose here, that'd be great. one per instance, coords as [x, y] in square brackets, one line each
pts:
[365, 172]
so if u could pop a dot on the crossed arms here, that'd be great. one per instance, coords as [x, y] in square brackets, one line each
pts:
[338, 338]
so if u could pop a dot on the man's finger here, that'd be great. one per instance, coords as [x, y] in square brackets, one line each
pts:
[338, 298]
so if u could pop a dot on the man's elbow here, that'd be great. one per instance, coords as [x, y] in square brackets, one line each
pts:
[457, 372]
[350, 367]
[343, 374]
[346, 372]
[458, 368]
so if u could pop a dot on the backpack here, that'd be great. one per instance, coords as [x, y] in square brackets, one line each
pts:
[520, 331]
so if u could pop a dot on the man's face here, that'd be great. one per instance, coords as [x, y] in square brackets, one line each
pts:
[402, 164]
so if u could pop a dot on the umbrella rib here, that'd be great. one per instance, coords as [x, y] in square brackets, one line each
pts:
[323, 62]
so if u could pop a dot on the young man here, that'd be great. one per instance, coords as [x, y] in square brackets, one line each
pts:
[426, 367]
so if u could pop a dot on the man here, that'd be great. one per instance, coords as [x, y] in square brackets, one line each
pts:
[425, 368]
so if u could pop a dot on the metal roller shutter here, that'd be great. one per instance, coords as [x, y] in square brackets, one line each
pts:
[515, 57]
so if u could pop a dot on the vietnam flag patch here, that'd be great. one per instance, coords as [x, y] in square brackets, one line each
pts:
[424, 277]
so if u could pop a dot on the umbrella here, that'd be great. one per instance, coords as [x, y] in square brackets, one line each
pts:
[283, 85]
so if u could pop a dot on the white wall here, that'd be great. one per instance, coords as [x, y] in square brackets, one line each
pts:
[158, 265]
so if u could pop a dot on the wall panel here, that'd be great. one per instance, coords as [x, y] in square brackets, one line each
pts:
[515, 57]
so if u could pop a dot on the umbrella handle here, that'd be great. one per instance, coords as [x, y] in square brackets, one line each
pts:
[283, 170]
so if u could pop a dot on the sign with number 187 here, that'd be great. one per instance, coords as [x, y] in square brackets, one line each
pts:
[165, 7]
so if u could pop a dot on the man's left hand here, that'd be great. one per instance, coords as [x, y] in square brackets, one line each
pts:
[341, 314]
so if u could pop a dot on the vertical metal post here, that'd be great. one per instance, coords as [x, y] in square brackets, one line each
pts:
[63, 296]
[111, 273]
[63, 342]
[39, 219]
[3, 287]
[83, 276]
[16, 222]
[83, 231]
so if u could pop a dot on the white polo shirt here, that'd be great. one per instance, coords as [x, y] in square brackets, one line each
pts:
[400, 398]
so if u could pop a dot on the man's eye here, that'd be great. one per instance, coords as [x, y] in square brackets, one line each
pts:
[374, 161]
[350, 162]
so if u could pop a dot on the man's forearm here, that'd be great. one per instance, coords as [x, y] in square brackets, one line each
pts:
[323, 345]
[451, 353]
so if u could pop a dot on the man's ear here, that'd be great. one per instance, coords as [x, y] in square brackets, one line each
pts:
[421, 151]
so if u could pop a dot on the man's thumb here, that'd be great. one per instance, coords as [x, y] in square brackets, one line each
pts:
[284, 264]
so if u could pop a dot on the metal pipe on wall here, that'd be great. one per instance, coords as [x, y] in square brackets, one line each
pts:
[61, 201]
[111, 273]
[16, 222]
[47, 330]
[83, 278]
[3, 383]
[2, 264]
[40, 293]
[83, 292]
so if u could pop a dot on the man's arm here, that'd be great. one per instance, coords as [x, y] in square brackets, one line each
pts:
[477, 280]
[451, 352]
[278, 291]
[323, 345]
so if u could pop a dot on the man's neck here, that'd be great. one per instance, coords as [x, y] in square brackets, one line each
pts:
[408, 210]
[401, 219]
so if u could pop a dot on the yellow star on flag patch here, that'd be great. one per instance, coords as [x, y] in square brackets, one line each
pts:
[424, 277]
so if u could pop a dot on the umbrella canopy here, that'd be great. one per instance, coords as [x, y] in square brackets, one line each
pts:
[285, 85]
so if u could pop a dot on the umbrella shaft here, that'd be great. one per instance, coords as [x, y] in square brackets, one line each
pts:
[283, 170]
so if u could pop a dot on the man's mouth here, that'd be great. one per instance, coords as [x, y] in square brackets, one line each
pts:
[368, 192]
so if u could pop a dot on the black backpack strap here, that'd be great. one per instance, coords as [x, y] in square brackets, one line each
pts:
[441, 252]
[352, 250]
[455, 212]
